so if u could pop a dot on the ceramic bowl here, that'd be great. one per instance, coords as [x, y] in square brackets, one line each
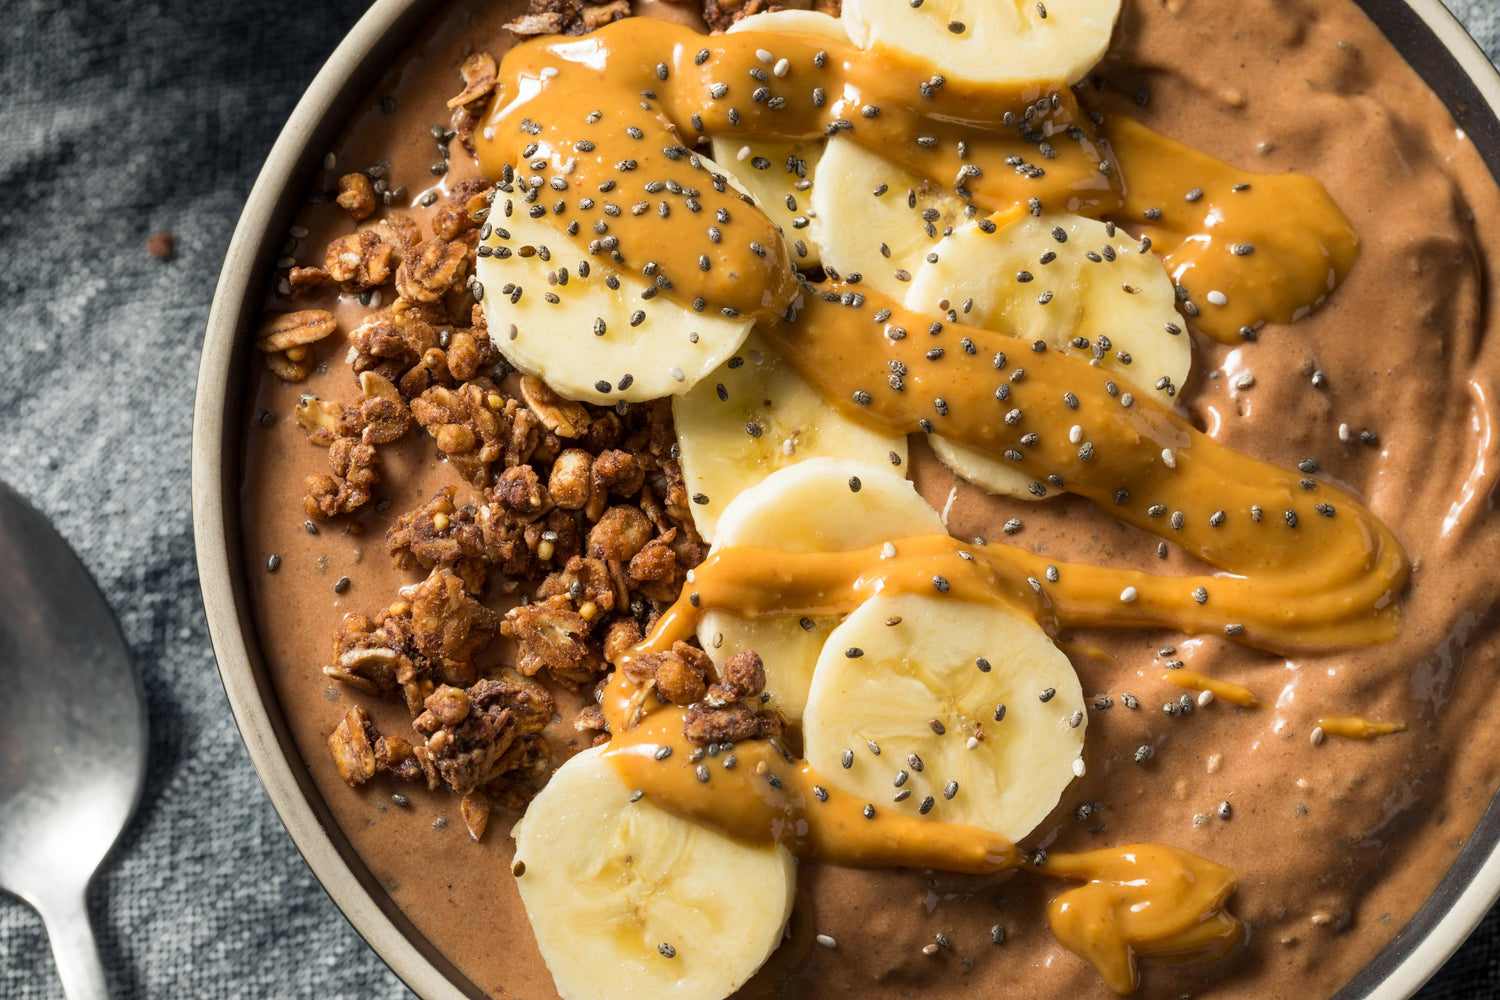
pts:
[1423, 30]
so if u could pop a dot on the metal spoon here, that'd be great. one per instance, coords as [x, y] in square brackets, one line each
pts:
[72, 736]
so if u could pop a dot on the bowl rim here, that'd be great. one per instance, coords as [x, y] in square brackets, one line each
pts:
[1432, 936]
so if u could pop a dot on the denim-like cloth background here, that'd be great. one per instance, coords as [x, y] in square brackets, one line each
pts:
[118, 120]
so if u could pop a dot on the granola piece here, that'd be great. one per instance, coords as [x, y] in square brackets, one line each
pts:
[398, 758]
[491, 739]
[323, 420]
[284, 367]
[440, 534]
[521, 492]
[466, 354]
[570, 482]
[557, 538]
[292, 330]
[731, 723]
[383, 415]
[572, 17]
[619, 534]
[593, 584]
[447, 624]
[720, 14]
[681, 674]
[364, 657]
[590, 719]
[429, 269]
[596, 15]
[469, 425]
[531, 25]
[563, 417]
[356, 196]
[743, 676]
[617, 472]
[352, 744]
[621, 635]
[475, 808]
[359, 261]
[307, 279]
[655, 571]
[480, 73]
[400, 233]
[351, 485]
[553, 636]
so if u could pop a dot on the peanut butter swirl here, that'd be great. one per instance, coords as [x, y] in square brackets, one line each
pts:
[599, 133]
[1307, 565]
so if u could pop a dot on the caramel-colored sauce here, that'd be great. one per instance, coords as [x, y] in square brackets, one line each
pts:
[1355, 728]
[1148, 900]
[1192, 680]
[1224, 230]
[1310, 565]
[601, 129]
[1143, 899]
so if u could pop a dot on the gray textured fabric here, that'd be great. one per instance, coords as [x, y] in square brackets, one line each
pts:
[116, 121]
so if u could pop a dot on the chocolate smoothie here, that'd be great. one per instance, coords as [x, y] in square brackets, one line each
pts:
[1386, 392]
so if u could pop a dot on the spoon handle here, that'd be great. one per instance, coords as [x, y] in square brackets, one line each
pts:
[73, 948]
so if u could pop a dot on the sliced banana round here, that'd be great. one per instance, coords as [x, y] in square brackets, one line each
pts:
[779, 175]
[977, 716]
[868, 216]
[990, 41]
[589, 330]
[1065, 280]
[793, 22]
[809, 507]
[631, 902]
[754, 415]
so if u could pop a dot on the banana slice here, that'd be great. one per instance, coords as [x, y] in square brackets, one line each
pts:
[809, 507]
[583, 338]
[755, 415]
[990, 41]
[630, 902]
[875, 218]
[1021, 279]
[779, 174]
[927, 691]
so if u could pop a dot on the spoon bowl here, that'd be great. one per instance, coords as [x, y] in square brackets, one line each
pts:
[72, 736]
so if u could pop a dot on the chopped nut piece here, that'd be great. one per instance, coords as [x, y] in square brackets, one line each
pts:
[476, 812]
[744, 677]
[356, 196]
[479, 72]
[446, 622]
[352, 746]
[731, 723]
[552, 635]
[563, 417]
[295, 329]
[429, 269]
[620, 534]
[359, 260]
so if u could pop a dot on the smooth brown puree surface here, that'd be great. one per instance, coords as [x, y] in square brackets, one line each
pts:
[1335, 845]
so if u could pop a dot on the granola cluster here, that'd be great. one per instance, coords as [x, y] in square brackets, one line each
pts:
[575, 517]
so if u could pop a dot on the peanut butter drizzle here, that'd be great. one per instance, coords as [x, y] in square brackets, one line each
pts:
[1353, 727]
[1311, 567]
[601, 127]
[1236, 235]
[1150, 900]
[1143, 899]
[1228, 691]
